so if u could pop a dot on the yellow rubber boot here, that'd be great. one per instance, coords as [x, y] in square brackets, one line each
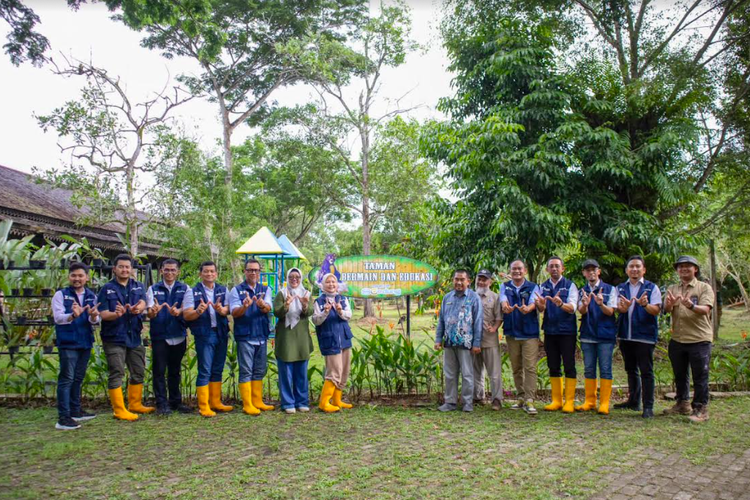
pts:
[605, 394]
[590, 402]
[118, 406]
[257, 392]
[325, 398]
[570, 395]
[214, 398]
[556, 394]
[337, 399]
[247, 399]
[135, 399]
[203, 408]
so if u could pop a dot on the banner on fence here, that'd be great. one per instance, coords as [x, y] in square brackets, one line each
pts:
[377, 276]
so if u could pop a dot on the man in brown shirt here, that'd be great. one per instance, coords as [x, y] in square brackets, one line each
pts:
[489, 358]
[690, 302]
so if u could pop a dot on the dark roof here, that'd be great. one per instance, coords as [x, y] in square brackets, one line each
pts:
[40, 208]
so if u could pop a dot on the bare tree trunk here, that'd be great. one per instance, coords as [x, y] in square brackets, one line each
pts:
[369, 310]
[228, 180]
[743, 290]
[131, 216]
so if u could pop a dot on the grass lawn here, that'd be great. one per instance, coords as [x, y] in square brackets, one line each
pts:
[369, 452]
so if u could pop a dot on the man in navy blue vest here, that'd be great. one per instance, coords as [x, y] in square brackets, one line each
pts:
[558, 302]
[75, 312]
[521, 329]
[597, 304]
[459, 332]
[639, 305]
[250, 303]
[206, 314]
[168, 332]
[122, 301]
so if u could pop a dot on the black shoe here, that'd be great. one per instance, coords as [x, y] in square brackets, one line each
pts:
[627, 405]
[163, 411]
[67, 424]
[181, 408]
[82, 416]
[648, 413]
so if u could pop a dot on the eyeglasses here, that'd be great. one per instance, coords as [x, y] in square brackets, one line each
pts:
[252, 270]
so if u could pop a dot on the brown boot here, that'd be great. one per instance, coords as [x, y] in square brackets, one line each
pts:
[700, 414]
[679, 408]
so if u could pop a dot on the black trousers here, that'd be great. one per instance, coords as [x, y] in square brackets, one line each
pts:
[561, 350]
[639, 365]
[167, 358]
[686, 358]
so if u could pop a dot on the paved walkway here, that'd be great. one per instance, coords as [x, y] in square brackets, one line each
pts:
[659, 476]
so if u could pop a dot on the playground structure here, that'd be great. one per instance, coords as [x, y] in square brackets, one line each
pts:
[276, 255]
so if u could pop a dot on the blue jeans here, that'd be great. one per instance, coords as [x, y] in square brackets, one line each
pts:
[253, 360]
[211, 353]
[73, 363]
[597, 353]
[293, 386]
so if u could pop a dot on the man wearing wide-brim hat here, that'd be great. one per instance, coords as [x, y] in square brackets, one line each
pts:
[690, 303]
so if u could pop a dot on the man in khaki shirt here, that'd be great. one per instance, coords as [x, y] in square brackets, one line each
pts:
[690, 302]
[489, 358]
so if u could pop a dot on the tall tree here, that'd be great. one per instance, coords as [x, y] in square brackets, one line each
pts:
[113, 144]
[349, 91]
[584, 142]
[235, 44]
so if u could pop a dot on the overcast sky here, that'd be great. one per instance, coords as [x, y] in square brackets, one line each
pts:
[89, 34]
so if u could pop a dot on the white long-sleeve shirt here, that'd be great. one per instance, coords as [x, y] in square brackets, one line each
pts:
[319, 314]
[58, 310]
[150, 304]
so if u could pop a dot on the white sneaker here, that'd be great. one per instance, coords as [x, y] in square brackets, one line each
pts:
[67, 424]
[303, 409]
[290, 411]
[529, 408]
[518, 405]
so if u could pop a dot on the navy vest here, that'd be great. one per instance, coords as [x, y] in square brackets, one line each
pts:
[201, 327]
[556, 321]
[253, 325]
[595, 325]
[334, 334]
[79, 334]
[164, 325]
[125, 330]
[644, 326]
[516, 324]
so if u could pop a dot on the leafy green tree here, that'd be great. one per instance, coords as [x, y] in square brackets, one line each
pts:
[346, 118]
[575, 142]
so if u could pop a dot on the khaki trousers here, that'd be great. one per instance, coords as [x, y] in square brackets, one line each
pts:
[523, 359]
[337, 368]
[488, 359]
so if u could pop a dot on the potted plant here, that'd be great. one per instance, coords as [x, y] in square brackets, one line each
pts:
[37, 264]
[28, 291]
[46, 292]
[46, 339]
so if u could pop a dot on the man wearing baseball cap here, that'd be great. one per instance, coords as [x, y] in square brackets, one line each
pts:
[489, 358]
[690, 303]
[597, 304]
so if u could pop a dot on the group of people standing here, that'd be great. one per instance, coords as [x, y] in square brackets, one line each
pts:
[467, 331]
[172, 308]
[627, 314]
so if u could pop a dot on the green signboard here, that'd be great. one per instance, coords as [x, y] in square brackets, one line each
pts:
[377, 276]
